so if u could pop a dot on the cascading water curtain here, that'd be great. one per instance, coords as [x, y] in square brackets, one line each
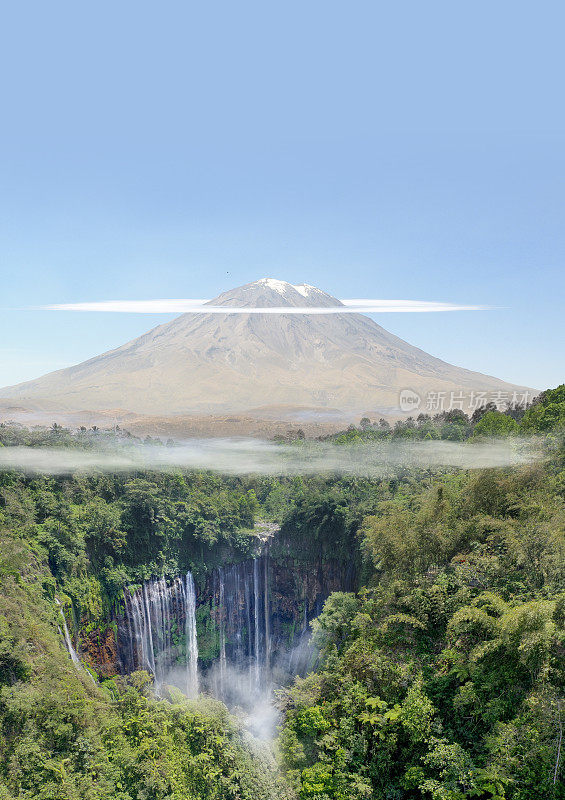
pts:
[191, 637]
[161, 621]
[241, 612]
[161, 636]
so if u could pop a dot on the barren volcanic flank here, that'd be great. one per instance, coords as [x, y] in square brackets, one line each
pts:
[204, 364]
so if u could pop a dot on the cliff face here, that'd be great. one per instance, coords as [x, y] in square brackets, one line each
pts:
[299, 590]
[100, 648]
[252, 615]
[262, 607]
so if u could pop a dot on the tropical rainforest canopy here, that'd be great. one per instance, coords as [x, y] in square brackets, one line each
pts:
[442, 676]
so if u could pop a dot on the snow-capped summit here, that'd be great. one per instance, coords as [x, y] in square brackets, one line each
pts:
[269, 292]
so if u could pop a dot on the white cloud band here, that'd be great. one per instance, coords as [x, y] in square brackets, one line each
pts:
[354, 306]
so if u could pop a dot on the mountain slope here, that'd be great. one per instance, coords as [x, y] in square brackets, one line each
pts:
[216, 363]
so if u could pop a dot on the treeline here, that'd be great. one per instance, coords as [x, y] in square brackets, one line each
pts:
[546, 413]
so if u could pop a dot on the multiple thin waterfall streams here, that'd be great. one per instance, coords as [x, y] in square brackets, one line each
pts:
[159, 633]
[245, 631]
[240, 615]
[161, 620]
[252, 633]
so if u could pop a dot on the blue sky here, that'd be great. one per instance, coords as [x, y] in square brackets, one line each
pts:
[411, 151]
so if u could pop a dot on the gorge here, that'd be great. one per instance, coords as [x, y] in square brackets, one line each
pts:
[239, 630]
[436, 599]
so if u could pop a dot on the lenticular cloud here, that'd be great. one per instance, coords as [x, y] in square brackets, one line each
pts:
[183, 306]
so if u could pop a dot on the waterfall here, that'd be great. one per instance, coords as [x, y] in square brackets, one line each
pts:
[255, 630]
[256, 615]
[67, 636]
[222, 629]
[161, 629]
[267, 613]
[191, 638]
[241, 607]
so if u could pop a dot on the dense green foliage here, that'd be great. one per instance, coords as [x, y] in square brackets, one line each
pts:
[443, 677]
[64, 738]
[545, 414]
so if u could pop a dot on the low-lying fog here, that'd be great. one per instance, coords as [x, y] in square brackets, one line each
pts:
[242, 456]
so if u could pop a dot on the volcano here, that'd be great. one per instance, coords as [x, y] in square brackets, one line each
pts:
[215, 363]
